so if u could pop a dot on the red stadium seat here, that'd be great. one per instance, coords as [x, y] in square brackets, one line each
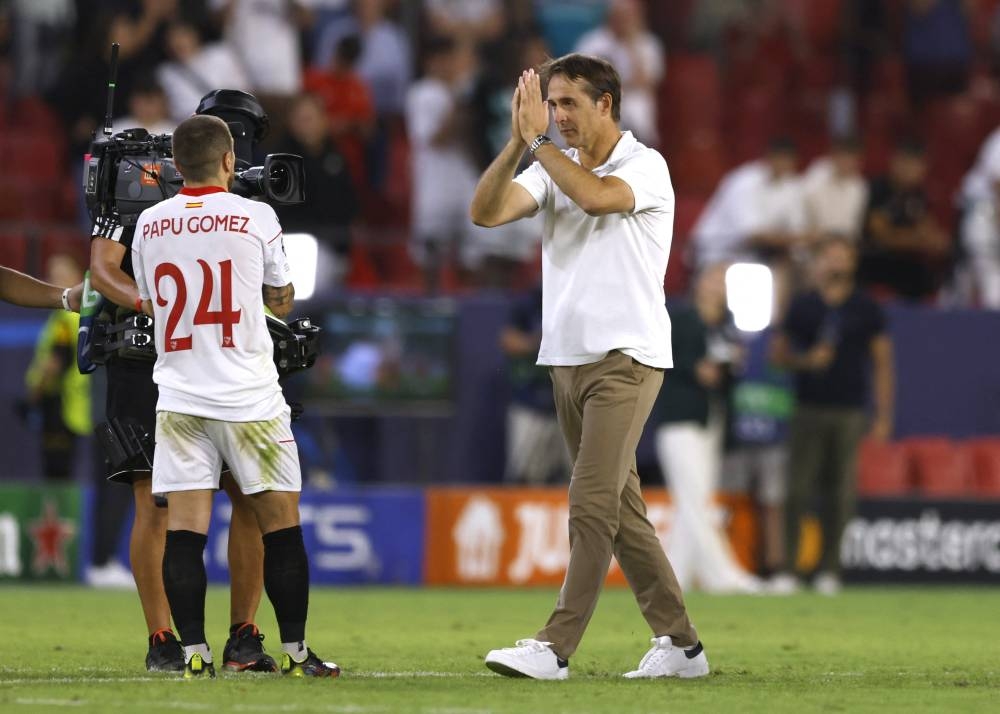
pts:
[690, 102]
[981, 23]
[27, 199]
[883, 469]
[890, 77]
[941, 468]
[699, 165]
[14, 249]
[756, 115]
[985, 455]
[687, 209]
[32, 113]
[953, 130]
[32, 155]
[362, 272]
[398, 189]
[822, 23]
[69, 241]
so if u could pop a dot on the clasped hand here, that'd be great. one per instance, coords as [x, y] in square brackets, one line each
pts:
[529, 112]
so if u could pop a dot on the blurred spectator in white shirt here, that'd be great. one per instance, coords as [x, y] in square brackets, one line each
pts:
[474, 21]
[264, 35]
[756, 213]
[40, 33]
[385, 67]
[836, 193]
[385, 62]
[148, 108]
[196, 69]
[637, 54]
[980, 227]
[978, 183]
[442, 160]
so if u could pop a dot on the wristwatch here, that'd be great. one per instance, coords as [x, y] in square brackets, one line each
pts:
[538, 142]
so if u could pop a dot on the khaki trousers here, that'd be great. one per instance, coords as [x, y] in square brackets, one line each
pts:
[602, 408]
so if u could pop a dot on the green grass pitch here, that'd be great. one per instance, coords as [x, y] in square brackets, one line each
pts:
[70, 649]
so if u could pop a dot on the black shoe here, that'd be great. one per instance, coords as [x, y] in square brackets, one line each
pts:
[198, 668]
[165, 653]
[312, 666]
[244, 651]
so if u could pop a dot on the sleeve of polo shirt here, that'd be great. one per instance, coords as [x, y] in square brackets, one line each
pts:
[647, 175]
[535, 181]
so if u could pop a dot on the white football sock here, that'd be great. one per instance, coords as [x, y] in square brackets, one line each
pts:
[296, 650]
[202, 649]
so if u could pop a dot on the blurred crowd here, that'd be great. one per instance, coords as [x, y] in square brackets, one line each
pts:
[782, 121]
[851, 146]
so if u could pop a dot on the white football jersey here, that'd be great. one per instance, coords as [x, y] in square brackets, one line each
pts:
[202, 257]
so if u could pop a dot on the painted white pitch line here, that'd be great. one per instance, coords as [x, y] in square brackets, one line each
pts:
[167, 678]
[194, 706]
[84, 680]
[50, 702]
[406, 675]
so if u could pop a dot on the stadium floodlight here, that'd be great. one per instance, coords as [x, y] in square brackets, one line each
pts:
[750, 295]
[302, 250]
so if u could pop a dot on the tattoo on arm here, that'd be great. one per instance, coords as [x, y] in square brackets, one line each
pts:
[279, 300]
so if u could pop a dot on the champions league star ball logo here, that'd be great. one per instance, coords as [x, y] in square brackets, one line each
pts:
[50, 534]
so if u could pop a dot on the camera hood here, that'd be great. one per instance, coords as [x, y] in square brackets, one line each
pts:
[231, 105]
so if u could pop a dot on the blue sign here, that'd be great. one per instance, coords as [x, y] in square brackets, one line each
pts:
[352, 537]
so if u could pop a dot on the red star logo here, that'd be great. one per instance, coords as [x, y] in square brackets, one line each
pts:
[50, 534]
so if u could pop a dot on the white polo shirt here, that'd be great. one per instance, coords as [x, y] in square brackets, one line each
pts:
[602, 277]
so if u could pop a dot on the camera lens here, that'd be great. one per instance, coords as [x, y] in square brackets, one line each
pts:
[279, 179]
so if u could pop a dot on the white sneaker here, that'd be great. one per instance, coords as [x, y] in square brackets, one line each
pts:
[112, 575]
[665, 660]
[827, 584]
[783, 584]
[530, 658]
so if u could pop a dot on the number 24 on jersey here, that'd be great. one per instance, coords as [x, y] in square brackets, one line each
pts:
[225, 316]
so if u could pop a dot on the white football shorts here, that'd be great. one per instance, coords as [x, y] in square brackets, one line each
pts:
[262, 455]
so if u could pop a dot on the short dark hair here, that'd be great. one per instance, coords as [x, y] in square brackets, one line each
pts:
[146, 83]
[199, 143]
[349, 49]
[439, 45]
[600, 76]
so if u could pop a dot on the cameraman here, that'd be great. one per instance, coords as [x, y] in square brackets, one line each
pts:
[132, 396]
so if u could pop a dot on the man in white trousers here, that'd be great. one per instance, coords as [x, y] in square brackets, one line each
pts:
[689, 440]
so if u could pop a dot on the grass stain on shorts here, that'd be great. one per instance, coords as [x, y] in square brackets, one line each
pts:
[261, 439]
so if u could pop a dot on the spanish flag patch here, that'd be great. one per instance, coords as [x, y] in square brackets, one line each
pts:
[193, 204]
